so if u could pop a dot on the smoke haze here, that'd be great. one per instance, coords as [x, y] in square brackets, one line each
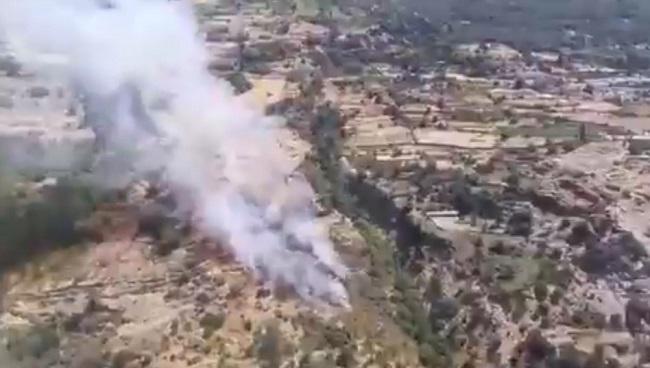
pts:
[220, 157]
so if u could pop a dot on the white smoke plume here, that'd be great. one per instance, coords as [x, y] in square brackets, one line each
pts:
[220, 157]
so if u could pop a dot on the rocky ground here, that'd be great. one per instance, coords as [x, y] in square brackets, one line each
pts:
[491, 207]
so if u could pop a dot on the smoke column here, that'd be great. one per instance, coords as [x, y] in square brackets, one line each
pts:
[220, 157]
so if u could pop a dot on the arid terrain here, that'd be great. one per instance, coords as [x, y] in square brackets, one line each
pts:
[488, 195]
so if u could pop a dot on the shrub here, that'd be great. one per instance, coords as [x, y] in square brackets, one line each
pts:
[267, 345]
[541, 291]
[30, 223]
[414, 321]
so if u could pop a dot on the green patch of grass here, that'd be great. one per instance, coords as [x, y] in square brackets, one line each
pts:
[511, 274]
[321, 335]
[316, 8]
[31, 341]
[551, 273]
[409, 311]
[413, 318]
[382, 260]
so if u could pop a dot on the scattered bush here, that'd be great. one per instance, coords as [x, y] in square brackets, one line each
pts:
[382, 260]
[31, 341]
[414, 321]
[556, 296]
[541, 291]
[32, 222]
[410, 314]
[267, 345]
